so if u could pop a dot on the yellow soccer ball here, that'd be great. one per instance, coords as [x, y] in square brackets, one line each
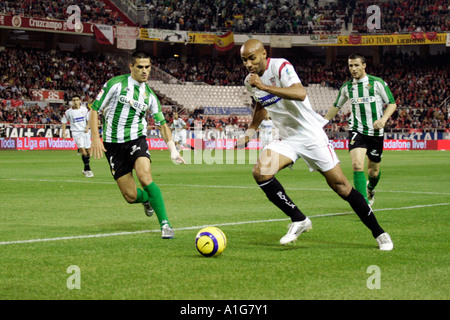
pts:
[210, 241]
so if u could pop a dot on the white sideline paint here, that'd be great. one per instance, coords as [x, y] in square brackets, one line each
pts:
[213, 186]
[100, 235]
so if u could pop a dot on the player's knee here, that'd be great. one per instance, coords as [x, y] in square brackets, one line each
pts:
[261, 174]
[342, 188]
[129, 197]
[358, 165]
[373, 172]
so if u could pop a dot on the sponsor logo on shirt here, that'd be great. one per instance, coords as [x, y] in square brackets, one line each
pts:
[79, 119]
[133, 103]
[363, 100]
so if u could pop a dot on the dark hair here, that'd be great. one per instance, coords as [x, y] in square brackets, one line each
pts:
[138, 55]
[76, 96]
[357, 56]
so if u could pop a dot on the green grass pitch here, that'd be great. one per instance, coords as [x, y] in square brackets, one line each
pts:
[52, 218]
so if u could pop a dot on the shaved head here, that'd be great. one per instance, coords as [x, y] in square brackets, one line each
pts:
[252, 46]
[254, 56]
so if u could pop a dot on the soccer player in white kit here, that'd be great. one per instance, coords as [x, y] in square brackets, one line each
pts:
[266, 129]
[78, 116]
[278, 91]
[179, 131]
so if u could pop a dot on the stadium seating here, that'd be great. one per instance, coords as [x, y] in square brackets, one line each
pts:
[190, 95]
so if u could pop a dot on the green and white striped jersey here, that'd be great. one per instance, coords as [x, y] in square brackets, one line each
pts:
[367, 96]
[123, 103]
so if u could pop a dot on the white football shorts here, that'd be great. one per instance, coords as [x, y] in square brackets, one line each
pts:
[180, 136]
[82, 139]
[318, 156]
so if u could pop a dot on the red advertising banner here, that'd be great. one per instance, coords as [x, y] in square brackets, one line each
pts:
[45, 144]
[219, 144]
[402, 144]
[20, 22]
[48, 95]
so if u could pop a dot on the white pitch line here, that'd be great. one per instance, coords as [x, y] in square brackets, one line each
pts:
[200, 227]
[215, 186]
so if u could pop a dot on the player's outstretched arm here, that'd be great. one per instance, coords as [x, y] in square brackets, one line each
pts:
[97, 146]
[167, 136]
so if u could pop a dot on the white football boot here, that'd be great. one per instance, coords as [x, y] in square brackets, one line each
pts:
[384, 242]
[167, 232]
[295, 230]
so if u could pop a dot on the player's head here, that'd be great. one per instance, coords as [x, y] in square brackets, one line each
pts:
[140, 66]
[76, 101]
[175, 115]
[254, 56]
[357, 65]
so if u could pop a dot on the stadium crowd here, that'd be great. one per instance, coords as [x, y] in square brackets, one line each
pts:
[92, 11]
[23, 69]
[255, 16]
[406, 16]
[419, 85]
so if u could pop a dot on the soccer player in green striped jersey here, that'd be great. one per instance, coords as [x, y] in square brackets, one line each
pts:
[124, 102]
[368, 95]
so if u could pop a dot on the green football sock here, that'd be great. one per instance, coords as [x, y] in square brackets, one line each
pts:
[374, 181]
[359, 180]
[141, 197]
[157, 202]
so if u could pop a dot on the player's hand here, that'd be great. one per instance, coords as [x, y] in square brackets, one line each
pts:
[177, 158]
[378, 124]
[255, 81]
[97, 148]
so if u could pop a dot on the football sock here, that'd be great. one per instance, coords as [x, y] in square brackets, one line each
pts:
[359, 181]
[86, 160]
[276, 194]
[364, 212]
[156, 200]
[374, 181]
[141, 197]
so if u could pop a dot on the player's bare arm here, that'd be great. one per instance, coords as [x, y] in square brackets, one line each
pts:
[332, 112]
[166, 134]
[64, 135]
[380, 123]
[97, 146]
[259, 115]
[294, 92]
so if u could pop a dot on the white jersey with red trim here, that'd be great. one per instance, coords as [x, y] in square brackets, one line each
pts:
[290, 117]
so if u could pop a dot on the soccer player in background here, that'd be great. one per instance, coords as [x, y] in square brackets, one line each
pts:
[368, 95]
[278, 91]
[266, 129]
[78, 117]
[124, 102]
[179, 131]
